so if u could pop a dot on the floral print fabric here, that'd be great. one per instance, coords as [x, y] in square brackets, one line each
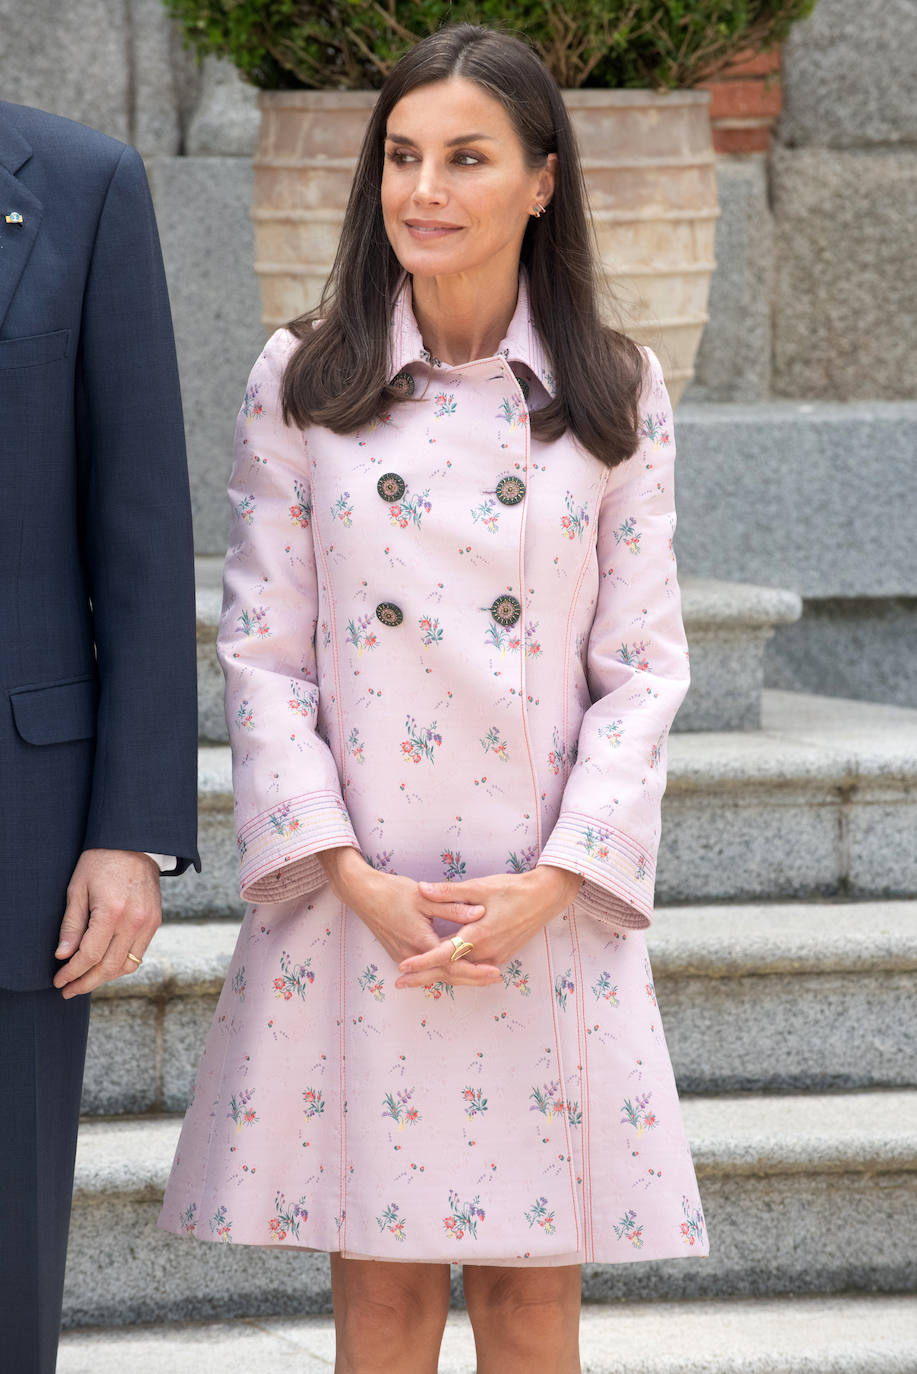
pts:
[468, 667]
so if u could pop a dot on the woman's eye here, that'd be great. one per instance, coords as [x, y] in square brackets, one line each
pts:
[399, 157]
[467, 159]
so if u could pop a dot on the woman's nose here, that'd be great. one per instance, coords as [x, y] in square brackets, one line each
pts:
[429, 184]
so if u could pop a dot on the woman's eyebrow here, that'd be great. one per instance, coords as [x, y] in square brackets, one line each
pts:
[452, 143]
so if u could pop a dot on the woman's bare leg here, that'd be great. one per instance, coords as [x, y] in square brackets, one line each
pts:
[388, 1318]
[524, 1319]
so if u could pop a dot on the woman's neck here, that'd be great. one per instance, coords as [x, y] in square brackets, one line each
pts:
[460, 320]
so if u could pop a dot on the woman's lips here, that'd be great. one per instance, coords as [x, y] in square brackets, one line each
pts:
[426, 232]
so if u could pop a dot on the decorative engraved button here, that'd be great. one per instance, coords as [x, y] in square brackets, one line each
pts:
[390, 486]
[510, 490]
[403, 382]
[389, 613]
[506, 610]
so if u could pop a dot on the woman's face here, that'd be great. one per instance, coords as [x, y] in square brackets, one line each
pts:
[456, 192]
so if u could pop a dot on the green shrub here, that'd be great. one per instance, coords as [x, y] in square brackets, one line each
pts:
[347, 44]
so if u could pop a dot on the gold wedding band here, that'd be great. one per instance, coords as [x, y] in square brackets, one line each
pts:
[461, 947]
[135, 959]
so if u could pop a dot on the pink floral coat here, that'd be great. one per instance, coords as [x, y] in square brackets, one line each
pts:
[460, 650]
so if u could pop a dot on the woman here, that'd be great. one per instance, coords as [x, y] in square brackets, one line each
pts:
[453, 651]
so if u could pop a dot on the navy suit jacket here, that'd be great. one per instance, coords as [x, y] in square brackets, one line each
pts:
[98, 713]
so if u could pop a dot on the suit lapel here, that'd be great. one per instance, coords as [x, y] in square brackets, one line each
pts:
[16, 240]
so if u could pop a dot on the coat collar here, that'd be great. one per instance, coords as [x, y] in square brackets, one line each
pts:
[14, 149]
[521, 343]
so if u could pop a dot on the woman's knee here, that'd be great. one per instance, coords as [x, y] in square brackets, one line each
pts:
[381, 1302]
[541, 1308]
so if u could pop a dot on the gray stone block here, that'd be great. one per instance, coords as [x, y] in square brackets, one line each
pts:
[728, 625]
[734, 359]
[881, 831]
[844, 323]
[817, 497]
[791, 1033]
[121, 1057]
[122, 1269]
[71, 60]
[224, 119]
[833, 1335]
[848, 75]
[187, 1021]
[766, 843]
[162, 74]
[858, 648]
[788, 997]
[795, 1233]
[202, 205]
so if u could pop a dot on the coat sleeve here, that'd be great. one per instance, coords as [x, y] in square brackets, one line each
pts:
[637, 669]
[288, 801]
[135, 520]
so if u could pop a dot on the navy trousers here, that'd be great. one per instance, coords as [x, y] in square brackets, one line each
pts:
[42, 1052]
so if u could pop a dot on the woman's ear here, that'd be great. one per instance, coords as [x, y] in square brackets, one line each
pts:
[546, 180]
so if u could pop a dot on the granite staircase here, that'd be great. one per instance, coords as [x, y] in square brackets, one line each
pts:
[785, 956]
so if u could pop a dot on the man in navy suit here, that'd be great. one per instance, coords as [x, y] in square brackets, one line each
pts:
[98, 725]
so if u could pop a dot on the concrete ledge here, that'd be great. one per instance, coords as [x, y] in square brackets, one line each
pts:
[852, 647]
[786, 937]
[785, 494]
[711, 604]
[848, 1335]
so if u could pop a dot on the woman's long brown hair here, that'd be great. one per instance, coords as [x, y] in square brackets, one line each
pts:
[338, 376]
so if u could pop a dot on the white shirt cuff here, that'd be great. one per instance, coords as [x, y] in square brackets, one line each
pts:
[167, 862]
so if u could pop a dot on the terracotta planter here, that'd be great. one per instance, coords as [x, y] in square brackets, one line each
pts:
[650, 173]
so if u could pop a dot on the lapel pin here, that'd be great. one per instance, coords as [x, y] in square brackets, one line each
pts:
[14, 217]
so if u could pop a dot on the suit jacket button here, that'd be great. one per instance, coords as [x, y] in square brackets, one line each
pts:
[506, 610]
[389, 613]
[510, 490]
[390, 486]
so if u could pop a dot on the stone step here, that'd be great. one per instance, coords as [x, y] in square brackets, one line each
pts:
[728, 626]
[784, 493]
[805, 1194]
[822, 1335]
[822, 801]
[783, 998]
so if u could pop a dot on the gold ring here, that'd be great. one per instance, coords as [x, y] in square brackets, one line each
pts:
[135, 959]
[461, 947]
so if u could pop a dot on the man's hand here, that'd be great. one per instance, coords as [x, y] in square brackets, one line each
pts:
[113, 908]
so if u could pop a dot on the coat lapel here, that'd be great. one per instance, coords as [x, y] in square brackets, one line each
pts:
[16, 240]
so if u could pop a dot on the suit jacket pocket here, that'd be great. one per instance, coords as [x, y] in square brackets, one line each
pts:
[57, 711]
[33, 349]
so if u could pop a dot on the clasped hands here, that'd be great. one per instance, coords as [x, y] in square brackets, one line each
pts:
[499, 914]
